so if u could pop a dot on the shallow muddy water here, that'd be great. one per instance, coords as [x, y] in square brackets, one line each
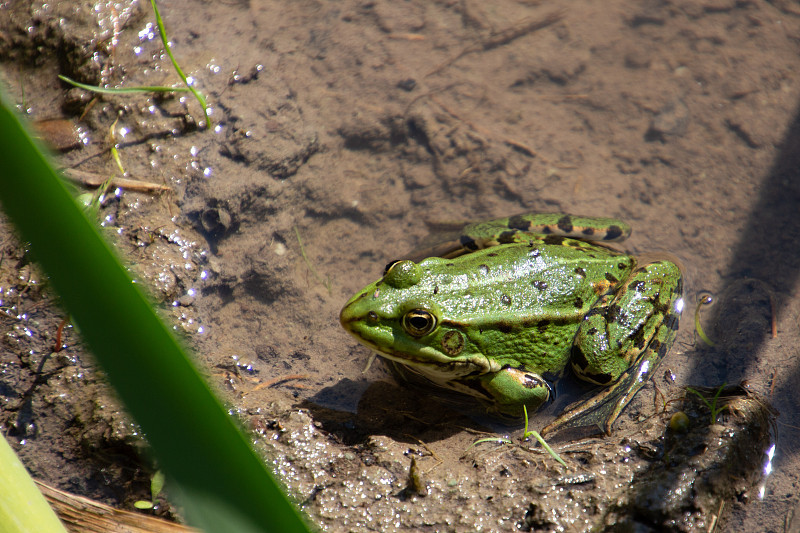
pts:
[355, 128]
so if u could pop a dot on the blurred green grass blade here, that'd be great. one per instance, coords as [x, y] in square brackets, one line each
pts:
[22, 506]
[225, 485]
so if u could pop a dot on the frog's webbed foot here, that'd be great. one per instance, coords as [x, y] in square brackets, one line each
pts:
[603, 409]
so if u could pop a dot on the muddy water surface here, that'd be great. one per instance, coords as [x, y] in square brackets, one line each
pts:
[353, 128]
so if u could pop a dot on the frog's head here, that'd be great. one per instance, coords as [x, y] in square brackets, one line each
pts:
[398, 317]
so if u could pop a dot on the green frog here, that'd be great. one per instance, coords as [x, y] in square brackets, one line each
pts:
[503, 310]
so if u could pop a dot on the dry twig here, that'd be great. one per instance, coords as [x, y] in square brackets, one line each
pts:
[90, 179]
[503, 37]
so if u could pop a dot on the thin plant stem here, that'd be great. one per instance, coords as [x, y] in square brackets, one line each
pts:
[195, 92]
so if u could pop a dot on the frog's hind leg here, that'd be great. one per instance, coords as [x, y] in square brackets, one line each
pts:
[521, 228]
[622, 341]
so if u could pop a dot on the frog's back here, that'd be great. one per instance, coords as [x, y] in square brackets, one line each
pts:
[553, 278]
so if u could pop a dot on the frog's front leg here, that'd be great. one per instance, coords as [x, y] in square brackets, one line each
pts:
[623, 338]
[510, 388]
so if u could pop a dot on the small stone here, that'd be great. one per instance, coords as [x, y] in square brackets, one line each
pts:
[407, 84]
[672, 120]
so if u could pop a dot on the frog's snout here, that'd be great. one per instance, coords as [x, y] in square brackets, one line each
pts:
[346, 316]
[355, 318]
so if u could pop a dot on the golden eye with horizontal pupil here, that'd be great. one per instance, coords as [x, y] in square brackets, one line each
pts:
[419, 322]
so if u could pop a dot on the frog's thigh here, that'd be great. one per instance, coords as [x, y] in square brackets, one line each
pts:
[513, 387]
[638, 320]
[522, 228]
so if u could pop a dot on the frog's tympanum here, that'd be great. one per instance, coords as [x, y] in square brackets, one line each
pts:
[503, 311]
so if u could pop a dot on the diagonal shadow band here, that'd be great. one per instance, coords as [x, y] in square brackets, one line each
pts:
[768, 250]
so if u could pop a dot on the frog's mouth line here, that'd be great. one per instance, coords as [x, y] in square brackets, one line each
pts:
[444, 370]
[431, 363]
[437, 370]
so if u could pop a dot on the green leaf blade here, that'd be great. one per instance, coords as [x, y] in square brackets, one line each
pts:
[205, 455]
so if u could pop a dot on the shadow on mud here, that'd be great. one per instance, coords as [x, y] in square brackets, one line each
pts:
[384, 408]
[767, 253]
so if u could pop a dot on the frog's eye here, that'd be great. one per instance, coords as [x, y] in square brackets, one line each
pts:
[419, 322]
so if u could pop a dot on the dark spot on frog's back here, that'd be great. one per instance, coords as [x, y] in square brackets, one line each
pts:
[610, 277]
[491, 254]
[578, 303]
[506, 237]
[539, 284]
[565, 224]
[519, 222]
[613, 232]
[554, 239]
[505, 299]
[588, 231]
[580, 271]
